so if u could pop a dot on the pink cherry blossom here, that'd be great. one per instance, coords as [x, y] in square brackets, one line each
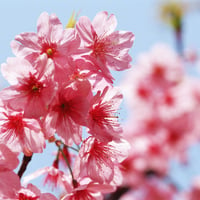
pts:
[155, 73]
[150, 156]
[10, 188]
[53, 176]
[51, 39]
[163, 65]
[82, 69]
[106, 47]
[29, 88]
[20, 134]
[155, 90]
[153, 189]
[88, 190]
[33, 193]
[67, 113]
[100, 161]
[102, 120]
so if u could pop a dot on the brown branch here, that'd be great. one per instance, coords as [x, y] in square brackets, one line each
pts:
[117, 194]
[25, 162]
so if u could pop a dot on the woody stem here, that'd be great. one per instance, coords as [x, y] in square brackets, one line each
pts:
[25, 162]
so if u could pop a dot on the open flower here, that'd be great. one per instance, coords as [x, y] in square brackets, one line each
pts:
[88, 190]
[102, 120]
[10, 188]
[106, 47]
[67, 113]
[33, 193]
[53, 176]
[30, 90]
[20, 134]
[100, 161]
[51, 39]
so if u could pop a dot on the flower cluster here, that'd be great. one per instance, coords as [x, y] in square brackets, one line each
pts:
[60, 82]
[163, 102]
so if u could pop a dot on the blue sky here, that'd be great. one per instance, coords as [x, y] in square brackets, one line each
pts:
[138, 16]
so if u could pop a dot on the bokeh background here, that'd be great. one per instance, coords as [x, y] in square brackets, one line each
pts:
[139, 16]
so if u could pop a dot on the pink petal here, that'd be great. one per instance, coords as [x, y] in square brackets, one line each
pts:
[23, 43]
[85, 30]
[104, 24]
[9, 184]
[16, 68]
[46, 23]
[8, 159]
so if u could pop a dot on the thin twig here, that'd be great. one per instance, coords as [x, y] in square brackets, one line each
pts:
[72, 148]
[67, 162]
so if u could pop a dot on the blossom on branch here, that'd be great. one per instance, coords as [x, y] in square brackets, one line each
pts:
[60, 83]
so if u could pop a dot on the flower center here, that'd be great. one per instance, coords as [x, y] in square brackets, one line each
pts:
[102, 115]
[158, 71]
[25, 197]
[49, 52]
[49, 49]
[32, 86]
[82, 194]
[173, 137]
[62, 107]
[100, 46]
[15, 123]
[35, 88]
[143, 92]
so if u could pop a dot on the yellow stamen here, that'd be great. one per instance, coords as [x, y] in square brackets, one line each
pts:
[35, 88]
[49, 52]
